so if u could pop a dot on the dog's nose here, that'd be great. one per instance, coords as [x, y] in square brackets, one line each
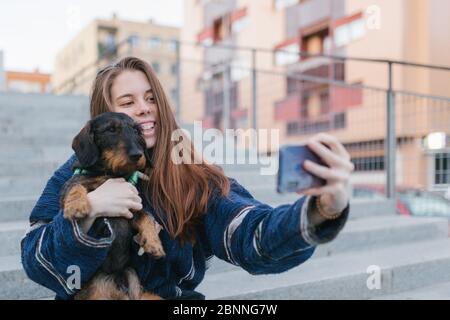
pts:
[135, 156]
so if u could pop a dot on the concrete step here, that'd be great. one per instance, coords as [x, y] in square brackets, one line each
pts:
[361, 234]
[31, 168]
[15, 102]
[371, 233]
[381, 232]
[37, 153]
[436, 292]
[357, 241]
[49, 138]
[11, 234]
[16, 208]
[344, 276]
[42, 126]
[45, 135]
[236, 168]
[21, 185]
[251, 179]
[15, 283]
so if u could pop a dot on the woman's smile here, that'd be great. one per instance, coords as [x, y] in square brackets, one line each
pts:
[148, 128]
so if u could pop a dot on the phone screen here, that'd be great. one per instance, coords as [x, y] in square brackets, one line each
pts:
[292, 177]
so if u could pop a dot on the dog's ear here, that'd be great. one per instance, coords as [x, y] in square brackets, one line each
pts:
[84, 146]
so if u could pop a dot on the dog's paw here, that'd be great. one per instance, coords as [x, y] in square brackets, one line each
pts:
[76, 204]
[149, 243]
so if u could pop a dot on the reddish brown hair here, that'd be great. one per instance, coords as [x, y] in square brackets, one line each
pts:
[180, 192]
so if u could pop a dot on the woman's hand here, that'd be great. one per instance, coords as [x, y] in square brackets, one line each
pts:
[334, 195]
[114, 198]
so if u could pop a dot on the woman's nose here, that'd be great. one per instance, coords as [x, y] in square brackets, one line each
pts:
[142, 108]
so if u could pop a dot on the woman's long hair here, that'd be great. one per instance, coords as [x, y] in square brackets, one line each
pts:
[179, 193]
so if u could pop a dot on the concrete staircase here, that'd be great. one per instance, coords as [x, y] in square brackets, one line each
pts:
[413, 254]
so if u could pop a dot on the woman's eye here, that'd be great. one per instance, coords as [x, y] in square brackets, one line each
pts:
[150, 99]
[127, 104]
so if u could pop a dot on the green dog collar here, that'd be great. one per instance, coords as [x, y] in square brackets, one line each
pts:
[133, 179]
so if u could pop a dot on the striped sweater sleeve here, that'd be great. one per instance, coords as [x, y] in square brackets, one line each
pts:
[55, 252]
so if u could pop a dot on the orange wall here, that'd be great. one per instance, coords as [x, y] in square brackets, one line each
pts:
[43, 79]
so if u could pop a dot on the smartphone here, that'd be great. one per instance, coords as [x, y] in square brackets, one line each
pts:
[292, 177]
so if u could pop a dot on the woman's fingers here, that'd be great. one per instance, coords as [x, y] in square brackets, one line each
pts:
[135, 205]
[334, 144]
[127, 214]
[133, 189]
[324, 172]
[328, 156]
[318, 191]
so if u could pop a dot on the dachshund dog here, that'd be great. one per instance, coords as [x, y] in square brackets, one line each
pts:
[111, 146]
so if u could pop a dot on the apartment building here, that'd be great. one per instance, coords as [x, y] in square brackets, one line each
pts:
[27, 82]
[2, 72]
[105, 41]
[351, 102]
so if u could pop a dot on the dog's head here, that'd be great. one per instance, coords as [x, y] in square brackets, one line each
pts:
[112, 142]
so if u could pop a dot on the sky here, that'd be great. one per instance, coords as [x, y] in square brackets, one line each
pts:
[32, 32]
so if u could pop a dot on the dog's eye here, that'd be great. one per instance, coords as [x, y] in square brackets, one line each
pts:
[111, 129]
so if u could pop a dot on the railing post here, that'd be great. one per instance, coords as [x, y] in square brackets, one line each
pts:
[254, 97]
[178, 82]
[391, 140]
[226, 96]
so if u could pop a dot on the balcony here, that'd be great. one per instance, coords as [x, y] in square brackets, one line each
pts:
[344, 98]
[308, 13]
[289, 108]
[324, 123]
[214, 9]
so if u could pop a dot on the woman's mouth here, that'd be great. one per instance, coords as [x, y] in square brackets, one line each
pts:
[148, 128]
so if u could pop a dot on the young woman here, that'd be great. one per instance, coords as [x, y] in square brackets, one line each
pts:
[202, 212]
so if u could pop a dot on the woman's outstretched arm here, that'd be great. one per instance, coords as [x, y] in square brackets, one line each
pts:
[262, 239]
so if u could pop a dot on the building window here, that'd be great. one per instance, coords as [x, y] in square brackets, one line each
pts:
[442, 168]
[280, 4]
[324, 102]
[339, 121]
[133, 40]
[173, 69]
[287, 55]
[156, 67]
[110, 41]
[316, 43]
[154, 43]
[369, 163]
[173, 94]
[173, 45]
[221, 28]
[239, 25]
[349, 32]
[293, 86]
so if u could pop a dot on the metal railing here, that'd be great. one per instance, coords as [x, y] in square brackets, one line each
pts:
[386, 107]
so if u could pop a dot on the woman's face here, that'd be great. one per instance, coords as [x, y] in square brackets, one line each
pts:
[131, 94]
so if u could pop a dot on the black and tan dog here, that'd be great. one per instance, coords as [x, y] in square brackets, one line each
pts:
[111, 146]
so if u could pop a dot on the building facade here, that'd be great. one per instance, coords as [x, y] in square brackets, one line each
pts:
[28, 82]
[105, 41]
[2, 73]
[307, 92]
